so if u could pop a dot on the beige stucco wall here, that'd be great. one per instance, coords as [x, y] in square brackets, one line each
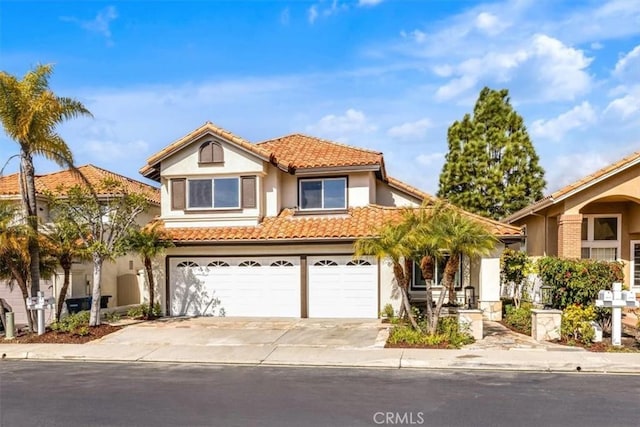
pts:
[387, 196]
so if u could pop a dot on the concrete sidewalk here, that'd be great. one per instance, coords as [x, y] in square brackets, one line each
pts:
[546, 360]
[338, 343]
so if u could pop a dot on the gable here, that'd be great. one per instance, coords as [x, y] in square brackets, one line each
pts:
[192, 159]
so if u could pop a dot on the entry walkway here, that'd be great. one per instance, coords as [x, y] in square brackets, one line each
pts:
[499, 337]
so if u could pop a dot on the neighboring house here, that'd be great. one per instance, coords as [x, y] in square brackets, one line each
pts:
[119, 278]
[268, 229]
[597, 217]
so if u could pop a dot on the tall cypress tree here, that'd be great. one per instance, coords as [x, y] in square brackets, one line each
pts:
[491, 168]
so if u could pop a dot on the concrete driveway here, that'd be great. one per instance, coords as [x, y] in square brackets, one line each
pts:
[272, 332]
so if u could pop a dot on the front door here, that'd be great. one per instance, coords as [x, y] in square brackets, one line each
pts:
[634, 268]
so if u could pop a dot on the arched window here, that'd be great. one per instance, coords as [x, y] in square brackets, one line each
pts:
[186, 264]
[211, 152]
[281, 263]
[325, 263]
[358, 262]
[249, 264]
[218, 264]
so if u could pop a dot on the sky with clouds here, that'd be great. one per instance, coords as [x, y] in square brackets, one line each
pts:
[390, 75]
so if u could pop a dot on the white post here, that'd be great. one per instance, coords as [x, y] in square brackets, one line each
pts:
[616, 299]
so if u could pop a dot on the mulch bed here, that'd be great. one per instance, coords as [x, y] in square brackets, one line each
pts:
[52, 337]
[441, 346]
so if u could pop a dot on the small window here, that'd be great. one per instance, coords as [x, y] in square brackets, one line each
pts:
[605, 228]
[249, 264]
[187, 264]
[281, 263]
[328, 193]
[211, 152]
[218, 264]
[325, 263]
[358, 262]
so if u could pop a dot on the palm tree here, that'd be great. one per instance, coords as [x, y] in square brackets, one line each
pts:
[392, 242]
[29, 112]
[14, 254]
[455, 234]
[149, 242]
[65, 244]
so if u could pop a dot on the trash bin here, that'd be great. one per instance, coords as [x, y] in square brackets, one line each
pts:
[78, 304]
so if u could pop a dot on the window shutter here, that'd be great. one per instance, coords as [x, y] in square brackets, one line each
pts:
[206, 153]
[249, 192]
[178, 194]
[217, 155]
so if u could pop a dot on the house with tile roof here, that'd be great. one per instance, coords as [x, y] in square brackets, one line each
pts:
[267, 229]
[120, 277]
[596, 217]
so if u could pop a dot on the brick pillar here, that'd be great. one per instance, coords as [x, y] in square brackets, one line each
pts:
[569, 236]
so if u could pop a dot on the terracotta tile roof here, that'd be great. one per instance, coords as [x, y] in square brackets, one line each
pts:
[57, 182]
[413, 191]
[301, 151]
[356, 223]
[153, 161]
[576, 186]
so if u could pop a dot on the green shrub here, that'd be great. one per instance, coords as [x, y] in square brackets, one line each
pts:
[143, 311]
[448, 332]
[577, 281]
[519, 318]
[388, 311]
[77, 323]
[576, 323]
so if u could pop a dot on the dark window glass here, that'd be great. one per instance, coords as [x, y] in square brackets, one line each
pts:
[334, 194]
[605, 228]
[584, 231]
[226, 193]
[200, 193]
[311, 194]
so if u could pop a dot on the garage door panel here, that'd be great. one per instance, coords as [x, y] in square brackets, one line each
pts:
[342, 290]
[239, 291]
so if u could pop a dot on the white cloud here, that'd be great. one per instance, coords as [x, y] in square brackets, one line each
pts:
[369, 2]
[415, 35]
[490, 24]
[629, 65]
[626, 106]
[313, 14]
[410, 130]
[579, 117]
[567, 169]
[558, 71]
[100, 24]
[431, 159]
[340, 127]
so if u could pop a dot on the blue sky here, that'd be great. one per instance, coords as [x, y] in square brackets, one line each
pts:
[382, 74]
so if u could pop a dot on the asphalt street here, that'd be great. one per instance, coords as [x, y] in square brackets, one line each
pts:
[152, 394]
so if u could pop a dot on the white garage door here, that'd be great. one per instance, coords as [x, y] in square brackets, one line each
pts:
[243, 286]
[343, 287]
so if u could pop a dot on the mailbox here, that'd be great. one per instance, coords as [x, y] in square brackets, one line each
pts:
[628, 295]
[605, 295]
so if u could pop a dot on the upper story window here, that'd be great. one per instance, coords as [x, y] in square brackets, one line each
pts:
[325, 193]
[601, 236]
[211, 152]
[215, 193]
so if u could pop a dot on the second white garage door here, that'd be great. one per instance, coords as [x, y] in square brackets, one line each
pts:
[340, 286]
[243, 286]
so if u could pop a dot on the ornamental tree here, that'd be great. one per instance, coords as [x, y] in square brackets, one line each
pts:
[491, 168]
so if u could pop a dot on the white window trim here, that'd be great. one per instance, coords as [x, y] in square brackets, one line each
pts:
[322, 180]
[213, 190]
[590, 243]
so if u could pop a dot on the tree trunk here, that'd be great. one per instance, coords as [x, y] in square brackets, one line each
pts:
[94, 319]
[448, 281]
[401, 279]
[66, 267]
[29, 204]
[426, 266]
[149, 269]
[25, 294]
